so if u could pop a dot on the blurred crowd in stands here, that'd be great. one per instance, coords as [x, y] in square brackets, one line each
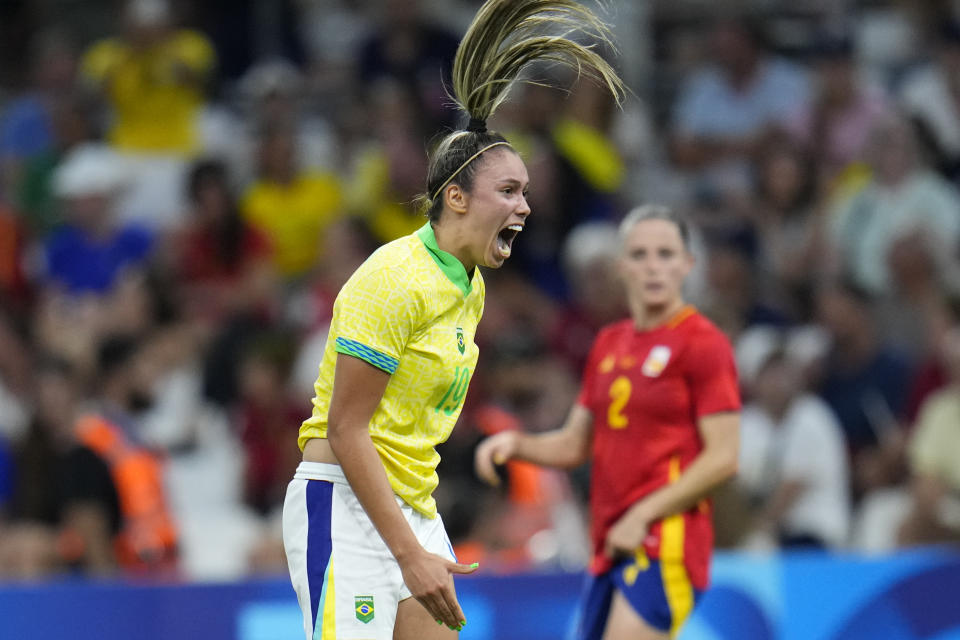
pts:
[184, 186]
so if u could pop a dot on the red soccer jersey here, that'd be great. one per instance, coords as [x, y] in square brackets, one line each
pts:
[646, 391]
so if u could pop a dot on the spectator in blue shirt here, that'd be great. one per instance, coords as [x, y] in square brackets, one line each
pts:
[865, 382]
[727, 106]
[26, 125]
[90, 251]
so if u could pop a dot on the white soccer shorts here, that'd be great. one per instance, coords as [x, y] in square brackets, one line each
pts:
[348, 583]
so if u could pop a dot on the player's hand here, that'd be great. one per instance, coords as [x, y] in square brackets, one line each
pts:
[430, 580]
[496, 449]
[626, 535]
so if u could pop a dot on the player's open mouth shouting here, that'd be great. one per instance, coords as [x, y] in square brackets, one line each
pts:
[506, 237]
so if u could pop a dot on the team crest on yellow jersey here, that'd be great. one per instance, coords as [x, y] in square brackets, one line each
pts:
[656, 361]
[460, 343]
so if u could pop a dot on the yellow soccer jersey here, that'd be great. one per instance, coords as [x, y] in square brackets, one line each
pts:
[154, 109]
[412, 311]
[294, 216]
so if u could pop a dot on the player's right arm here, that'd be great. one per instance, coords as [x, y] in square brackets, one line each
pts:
[357, 390]
[564, 448]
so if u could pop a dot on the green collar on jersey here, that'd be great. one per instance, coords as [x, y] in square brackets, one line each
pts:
[448, 263]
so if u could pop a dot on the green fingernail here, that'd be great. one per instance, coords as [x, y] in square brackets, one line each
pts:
[462, 622]
[439, 621]
[475, 565]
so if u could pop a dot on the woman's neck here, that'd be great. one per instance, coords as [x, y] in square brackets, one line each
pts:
[650, 317]
[449, 239]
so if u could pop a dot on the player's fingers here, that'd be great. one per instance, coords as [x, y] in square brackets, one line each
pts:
[450, 597]
[455, 567]
[445, 613]
[436, 607]
[611, 550]
[483, 463]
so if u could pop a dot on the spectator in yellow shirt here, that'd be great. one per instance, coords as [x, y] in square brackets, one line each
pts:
[293, 207]
[153, 78]
[389, 168]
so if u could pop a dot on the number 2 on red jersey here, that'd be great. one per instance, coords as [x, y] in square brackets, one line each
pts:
[620, 390]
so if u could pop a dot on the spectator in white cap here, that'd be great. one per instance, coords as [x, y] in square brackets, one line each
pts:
[88, 253]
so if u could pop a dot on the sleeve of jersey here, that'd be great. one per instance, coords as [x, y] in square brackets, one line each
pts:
[374, 317]
[713, 375]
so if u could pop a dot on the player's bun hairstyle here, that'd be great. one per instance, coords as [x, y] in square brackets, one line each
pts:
[506, 36]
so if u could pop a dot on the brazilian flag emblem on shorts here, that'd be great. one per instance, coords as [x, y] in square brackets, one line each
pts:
[364, 608]
[460, 345]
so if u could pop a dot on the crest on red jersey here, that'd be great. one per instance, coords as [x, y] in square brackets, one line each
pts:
[606, 365]
[656, 361]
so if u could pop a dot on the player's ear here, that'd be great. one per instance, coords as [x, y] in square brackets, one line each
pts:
[455, 198]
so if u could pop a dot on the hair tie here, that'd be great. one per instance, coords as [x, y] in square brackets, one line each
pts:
[477, 125]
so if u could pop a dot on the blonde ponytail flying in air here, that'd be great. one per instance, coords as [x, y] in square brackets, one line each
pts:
[506, 36]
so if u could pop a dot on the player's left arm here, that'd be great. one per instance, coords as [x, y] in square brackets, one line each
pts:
[715, 464]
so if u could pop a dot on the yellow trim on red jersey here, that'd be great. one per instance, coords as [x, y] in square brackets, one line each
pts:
[676, 582]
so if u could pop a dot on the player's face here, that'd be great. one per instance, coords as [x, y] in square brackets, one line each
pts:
[497, 207]
[654, 263]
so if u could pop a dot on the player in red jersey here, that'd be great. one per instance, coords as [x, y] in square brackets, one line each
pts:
[658, 417]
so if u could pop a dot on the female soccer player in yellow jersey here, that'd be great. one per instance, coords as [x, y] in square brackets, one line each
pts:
[361, 530]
